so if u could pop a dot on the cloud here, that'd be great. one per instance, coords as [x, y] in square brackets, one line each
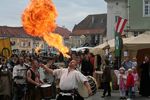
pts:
[11, 11]
[70, 12]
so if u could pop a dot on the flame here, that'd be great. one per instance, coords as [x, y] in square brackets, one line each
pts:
[38, 19]
[37, 49]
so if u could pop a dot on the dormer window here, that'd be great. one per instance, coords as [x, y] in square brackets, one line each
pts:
[146, 8]
[117, 3]
[102, 20]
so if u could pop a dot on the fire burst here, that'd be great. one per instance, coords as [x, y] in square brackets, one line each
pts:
[39, 19]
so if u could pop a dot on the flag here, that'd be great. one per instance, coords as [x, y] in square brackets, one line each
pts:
[5, 47]
[119, 27]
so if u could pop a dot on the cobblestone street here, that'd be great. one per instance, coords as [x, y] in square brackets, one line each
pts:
[115, 96]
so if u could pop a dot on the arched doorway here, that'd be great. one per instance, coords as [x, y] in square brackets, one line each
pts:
[141, 54]
[140, 57]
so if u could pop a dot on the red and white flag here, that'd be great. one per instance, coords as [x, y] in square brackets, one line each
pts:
[120, 25]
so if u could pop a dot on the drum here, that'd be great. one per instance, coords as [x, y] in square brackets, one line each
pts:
[46, 91]
[98, 77]
[82, 90]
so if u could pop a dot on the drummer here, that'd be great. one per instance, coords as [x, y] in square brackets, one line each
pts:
[69, 78]
[33, 80]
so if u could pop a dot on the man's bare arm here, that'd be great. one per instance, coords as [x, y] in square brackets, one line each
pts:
[30, 80]
[50, 71]
[88, 88]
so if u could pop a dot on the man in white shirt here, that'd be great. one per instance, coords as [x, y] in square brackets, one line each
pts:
[69, 78]
[19, 77]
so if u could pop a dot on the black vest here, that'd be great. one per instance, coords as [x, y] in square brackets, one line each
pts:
[30, 85]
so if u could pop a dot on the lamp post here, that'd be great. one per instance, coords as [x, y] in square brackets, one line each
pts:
[82, 39]
[71, 41]
[106, 48]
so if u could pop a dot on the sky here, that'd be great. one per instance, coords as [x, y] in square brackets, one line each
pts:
[70, 12]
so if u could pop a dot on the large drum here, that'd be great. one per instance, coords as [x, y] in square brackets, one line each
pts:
[82, 90]
[98, 77]
[46, 91]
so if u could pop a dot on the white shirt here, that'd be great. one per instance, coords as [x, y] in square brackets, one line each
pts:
[19, 70]
[124, 76]
[69, 80]
[134, 64]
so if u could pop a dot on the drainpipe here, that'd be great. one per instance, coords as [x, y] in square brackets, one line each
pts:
[128, 9]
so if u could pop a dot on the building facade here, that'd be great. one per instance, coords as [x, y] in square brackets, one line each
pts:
[90, 31]
[139, 16]
[21, 41]
[115, 8]
[137, 12]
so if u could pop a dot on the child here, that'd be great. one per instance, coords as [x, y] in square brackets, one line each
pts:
[135, 75]
[121, 82]
[130, 83]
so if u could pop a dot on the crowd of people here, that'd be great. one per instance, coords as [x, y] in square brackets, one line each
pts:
[20, 77]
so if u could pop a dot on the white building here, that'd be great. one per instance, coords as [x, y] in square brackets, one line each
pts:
[115, 8]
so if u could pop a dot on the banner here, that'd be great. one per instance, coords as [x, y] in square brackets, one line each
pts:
[5, 47]
[119, 27]
[118, 45]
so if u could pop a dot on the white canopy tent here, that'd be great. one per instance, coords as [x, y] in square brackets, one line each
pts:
[111, 43]
[140, 42]
[99, 49]
[80, 49]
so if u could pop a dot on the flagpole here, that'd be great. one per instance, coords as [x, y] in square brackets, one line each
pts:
[120, 56]
[119, 27]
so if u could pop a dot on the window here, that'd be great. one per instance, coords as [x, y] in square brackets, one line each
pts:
[146, 7]
[117, 3]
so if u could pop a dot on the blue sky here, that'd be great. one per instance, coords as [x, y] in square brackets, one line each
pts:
[70, 12]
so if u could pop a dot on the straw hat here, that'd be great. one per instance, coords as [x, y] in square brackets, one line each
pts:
[122, 68]
[129, 70]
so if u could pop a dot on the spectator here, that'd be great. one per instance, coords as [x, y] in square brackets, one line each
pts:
[86, 65]
[134, 62]
[136, 79]
[127, 64]
[130, 83]
[121, 76]
[19, 76]
[145, 77]
[5, 81]
[106, 77]
[99, 62]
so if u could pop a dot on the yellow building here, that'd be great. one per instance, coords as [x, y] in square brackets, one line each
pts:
[21, 41]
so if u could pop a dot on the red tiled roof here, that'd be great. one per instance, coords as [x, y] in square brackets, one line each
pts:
[63, 31]
[6, 31]
[88, 32]
[92, 24]
[18, 32]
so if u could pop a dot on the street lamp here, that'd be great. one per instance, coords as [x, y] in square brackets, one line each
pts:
[71, 41]
[82, 39]
[107, 54]
[106, 48]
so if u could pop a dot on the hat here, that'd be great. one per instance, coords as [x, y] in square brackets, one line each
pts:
[122, 68]
[129, 69]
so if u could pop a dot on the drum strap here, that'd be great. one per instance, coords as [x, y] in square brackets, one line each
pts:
[72, 92]
[65, 94]
[67, 91]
